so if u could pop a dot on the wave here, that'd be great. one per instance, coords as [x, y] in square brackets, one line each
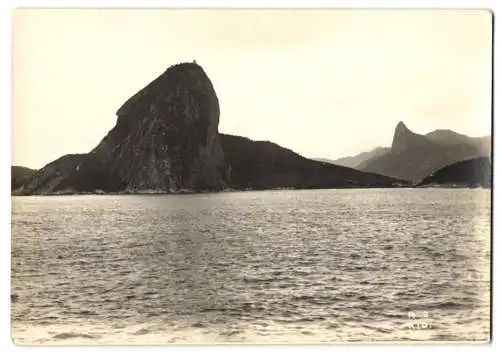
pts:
[69, 335]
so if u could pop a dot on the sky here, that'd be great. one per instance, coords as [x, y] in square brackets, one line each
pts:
[324, 83]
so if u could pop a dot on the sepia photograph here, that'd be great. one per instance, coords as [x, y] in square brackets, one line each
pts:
[251, 176]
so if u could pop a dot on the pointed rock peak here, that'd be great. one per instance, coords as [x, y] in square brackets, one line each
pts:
[401, 127]
[402, 135]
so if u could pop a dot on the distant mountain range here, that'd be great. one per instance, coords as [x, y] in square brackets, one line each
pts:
[354, 161]
[413, 157]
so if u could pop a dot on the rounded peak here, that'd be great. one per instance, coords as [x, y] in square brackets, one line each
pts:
[185, 75]
[184, 66]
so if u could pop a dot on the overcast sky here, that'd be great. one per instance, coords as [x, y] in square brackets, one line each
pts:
[323, 83]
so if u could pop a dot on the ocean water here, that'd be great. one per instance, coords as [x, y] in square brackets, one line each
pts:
[307, 266]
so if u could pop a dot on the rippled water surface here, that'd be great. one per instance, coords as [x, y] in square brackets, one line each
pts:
[253, 267]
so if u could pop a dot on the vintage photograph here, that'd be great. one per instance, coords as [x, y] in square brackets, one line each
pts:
[246, 176]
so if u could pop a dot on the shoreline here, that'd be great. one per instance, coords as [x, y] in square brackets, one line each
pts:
[192, 192]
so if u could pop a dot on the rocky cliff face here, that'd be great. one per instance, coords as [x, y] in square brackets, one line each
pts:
[405, 140]
[165, 139]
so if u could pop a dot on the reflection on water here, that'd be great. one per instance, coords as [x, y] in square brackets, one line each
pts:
[270, 266]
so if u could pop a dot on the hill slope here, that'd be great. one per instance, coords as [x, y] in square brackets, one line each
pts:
[356, 160]
[19, 175]
[265, 165]
[448, 137]
[48, 178]
[471, 172]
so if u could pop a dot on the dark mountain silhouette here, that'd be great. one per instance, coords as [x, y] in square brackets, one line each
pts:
[49, 177]
[19, 175]
[266, 165]
[166, 140]
[471, 172]
[413, 156]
